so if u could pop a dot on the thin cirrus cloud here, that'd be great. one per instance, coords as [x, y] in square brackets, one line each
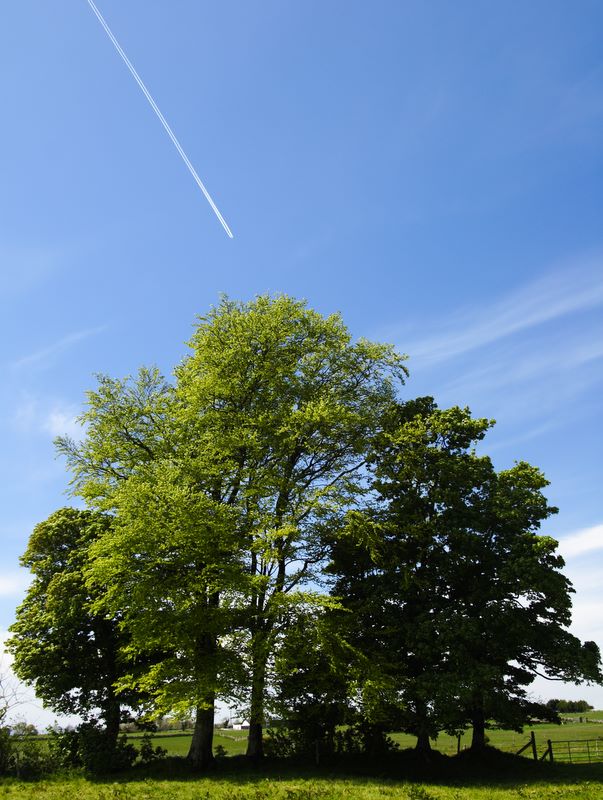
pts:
[586, 540]
[62, 421]
[48, 352]
[537, 363]
[58, 419]
[13, 584]
[559, 294]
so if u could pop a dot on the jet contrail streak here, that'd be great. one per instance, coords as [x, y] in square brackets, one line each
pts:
[162, 119]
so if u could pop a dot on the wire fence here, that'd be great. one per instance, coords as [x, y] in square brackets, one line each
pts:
[565, 751]
[577, 751]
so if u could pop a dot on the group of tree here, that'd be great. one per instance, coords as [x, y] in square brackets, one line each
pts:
[569, 706]
[276, 528]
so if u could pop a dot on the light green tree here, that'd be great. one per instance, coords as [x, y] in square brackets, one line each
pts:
[285, 404]
[223, 485]
[168, 557]
[170, 564]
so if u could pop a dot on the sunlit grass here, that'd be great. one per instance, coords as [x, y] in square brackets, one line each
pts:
[291, 789]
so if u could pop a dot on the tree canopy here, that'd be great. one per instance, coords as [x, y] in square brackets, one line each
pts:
[453, 590]
[71, 652]
[280, 462]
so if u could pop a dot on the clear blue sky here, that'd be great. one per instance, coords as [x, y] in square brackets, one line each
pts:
[434, 171]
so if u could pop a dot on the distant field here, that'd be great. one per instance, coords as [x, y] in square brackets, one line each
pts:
[234, 742]
[511, 742]
[177, 744]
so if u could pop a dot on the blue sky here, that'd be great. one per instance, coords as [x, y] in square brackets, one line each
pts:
[434, 171]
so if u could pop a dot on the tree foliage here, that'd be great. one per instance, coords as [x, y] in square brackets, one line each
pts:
[453, 590]
[221, 497]
[69, 650]
[284, 404]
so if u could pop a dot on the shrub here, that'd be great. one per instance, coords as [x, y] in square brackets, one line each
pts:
[5, 748]
[147, 752]
[89, 747]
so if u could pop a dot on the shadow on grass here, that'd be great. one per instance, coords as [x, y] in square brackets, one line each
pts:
[493, 768]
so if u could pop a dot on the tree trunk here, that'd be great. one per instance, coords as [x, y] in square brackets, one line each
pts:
[201, 753]
[255, 739]
[423, 744]
[106, 638]
[422, 727]
[478, 739]
[112, 717]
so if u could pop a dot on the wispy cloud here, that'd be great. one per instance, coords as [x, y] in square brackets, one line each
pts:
[55, 418]
[13, 584]
[581, 542]
[562, 293]
[56, 348]
[535, 365]
[63, 421]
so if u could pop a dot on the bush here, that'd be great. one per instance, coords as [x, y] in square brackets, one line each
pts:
[148, 753]
[89, 747]
[24, 757]
[30, 758]
[5, 748]
[357, 739]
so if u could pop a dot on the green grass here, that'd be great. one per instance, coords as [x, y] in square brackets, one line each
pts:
[511, 742]
[499, 777]
[536, 783]
[177, 744]
[235, 742]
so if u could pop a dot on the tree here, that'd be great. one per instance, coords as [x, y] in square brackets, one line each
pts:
[10, 697]
[170, 558]
[569, 706]
[72, 654]
[313, 674]
[257, 447]
[464, 601]
[285, 405]
[164, 556]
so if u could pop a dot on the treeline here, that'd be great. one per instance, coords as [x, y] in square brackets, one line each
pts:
[569, 706]
[277, 528]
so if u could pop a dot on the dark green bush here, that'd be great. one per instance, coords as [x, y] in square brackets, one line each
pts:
[5, 748]
[89, 747]
[147, 752]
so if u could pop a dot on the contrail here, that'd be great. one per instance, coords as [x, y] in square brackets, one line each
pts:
[162, 119]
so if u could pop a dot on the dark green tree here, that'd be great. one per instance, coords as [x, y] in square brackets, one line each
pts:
[312, 682]
[454, 593]
[569, 706]
[72, 654]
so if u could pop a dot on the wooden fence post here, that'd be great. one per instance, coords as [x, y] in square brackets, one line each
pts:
[533, 743]
[550, 744]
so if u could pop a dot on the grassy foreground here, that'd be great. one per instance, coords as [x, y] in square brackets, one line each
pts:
[503, 778]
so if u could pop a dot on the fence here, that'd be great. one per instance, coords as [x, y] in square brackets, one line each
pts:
[566, 751]
[577, 751]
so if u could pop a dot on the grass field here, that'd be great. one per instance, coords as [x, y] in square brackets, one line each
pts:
[500, 777]
[573, 783]
[511, 742]
[234, 742]
[177, 744]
